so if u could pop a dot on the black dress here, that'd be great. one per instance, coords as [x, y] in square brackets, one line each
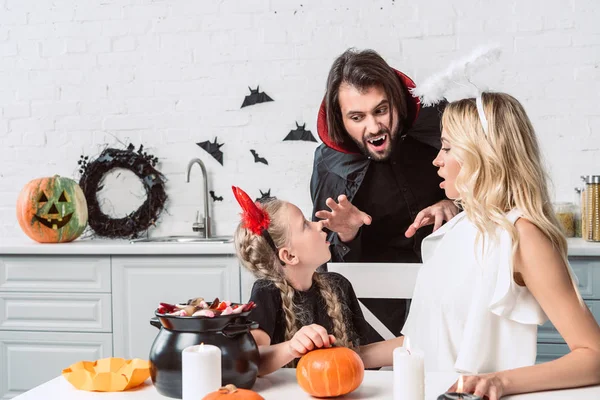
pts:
[313, 310]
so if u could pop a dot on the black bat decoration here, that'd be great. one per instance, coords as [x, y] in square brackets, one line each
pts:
[264, 196]
[300, 134]
[215, 198]
[255, 97]
[213, 149]
[257, 158]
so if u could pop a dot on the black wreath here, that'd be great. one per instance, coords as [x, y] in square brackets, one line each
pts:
[142, 165]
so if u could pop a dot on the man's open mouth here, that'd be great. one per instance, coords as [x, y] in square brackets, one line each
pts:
[53, 223]
[378, 143]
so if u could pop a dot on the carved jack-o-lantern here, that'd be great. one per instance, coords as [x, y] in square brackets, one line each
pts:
[52, 210]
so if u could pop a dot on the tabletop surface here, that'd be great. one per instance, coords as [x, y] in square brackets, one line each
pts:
[377, 385]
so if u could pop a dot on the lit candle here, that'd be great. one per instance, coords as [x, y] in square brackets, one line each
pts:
[458, 395]
[200, 371]
[409, 375]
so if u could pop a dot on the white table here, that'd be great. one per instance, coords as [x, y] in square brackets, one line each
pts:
[281, 384]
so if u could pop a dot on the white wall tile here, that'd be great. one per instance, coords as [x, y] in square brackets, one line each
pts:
[77, 76]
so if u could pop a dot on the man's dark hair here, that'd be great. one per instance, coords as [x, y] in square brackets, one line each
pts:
[362, 70]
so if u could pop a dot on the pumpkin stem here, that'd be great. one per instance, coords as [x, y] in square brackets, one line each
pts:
[228, 389]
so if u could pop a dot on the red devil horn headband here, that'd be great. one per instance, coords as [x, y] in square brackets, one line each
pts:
[254, 217]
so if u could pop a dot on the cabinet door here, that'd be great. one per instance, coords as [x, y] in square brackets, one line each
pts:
[140, 283]
[587, 270]
[49, 273]
[71, 312]
[28, 359]
[548, 352]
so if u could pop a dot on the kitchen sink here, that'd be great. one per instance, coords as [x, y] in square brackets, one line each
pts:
[184, 239]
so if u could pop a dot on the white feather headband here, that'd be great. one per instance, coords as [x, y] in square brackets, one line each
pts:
[435, 88]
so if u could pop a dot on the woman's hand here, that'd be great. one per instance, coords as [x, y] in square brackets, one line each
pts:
[488, 385]
[308, 338]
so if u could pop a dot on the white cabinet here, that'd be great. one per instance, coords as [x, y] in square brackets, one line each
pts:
[69, 312]
[80, 274]
[54, 311]
[28, 359]
[140, 283]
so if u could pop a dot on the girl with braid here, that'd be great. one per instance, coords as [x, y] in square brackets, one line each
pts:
[298, 309]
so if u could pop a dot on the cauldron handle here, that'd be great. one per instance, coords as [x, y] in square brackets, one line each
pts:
[233, 329]
[155, 322]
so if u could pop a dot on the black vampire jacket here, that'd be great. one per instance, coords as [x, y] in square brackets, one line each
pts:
[392, 192]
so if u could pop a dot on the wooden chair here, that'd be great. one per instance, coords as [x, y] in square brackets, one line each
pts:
[379, 281]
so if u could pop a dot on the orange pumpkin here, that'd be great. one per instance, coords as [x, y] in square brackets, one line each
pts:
[330, 372]
[52, 210]
[230, 392]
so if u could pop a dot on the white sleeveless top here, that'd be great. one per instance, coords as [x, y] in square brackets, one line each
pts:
[467, 313]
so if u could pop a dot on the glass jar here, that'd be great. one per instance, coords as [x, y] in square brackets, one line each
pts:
[590, 208]
[577, 219]
[565, 213]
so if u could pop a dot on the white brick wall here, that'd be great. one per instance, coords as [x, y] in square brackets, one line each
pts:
[75, 75]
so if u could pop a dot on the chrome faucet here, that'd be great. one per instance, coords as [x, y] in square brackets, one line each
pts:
[202, 227]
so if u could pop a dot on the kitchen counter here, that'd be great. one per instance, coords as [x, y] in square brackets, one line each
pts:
[581, 248]
[113, 247]
[577, 248]
[377, 385]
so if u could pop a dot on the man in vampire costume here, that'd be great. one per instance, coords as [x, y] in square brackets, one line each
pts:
[373, 181]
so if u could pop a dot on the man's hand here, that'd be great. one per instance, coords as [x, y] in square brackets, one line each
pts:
[344, 218]
[436, 214]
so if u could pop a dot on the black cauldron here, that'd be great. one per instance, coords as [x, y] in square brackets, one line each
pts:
[231, 333]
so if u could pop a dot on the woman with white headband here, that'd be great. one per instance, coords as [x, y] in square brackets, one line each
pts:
[498, 269]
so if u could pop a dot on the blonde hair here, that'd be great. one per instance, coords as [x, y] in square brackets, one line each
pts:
[501, 170]
[258, 257]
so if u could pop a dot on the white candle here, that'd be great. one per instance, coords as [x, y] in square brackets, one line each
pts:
[200, 371]
[409, 375]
